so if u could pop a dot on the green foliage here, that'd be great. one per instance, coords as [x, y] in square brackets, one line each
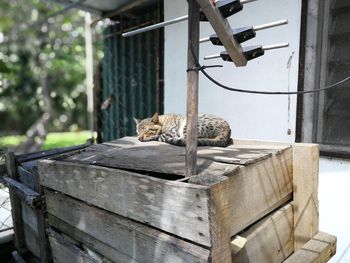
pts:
[64, 139]
[54, 140]
[41, 66]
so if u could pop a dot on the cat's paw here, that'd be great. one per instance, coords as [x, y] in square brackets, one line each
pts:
[150, 138]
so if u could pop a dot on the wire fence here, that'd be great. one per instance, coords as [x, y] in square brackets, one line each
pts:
[5, 209]
[132, 74]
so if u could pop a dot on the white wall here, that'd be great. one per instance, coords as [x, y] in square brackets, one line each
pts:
[334, 197]
[250, 116]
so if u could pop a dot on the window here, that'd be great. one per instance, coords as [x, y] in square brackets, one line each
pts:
[332, 108]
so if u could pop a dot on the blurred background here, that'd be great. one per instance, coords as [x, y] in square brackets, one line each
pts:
[43, 101]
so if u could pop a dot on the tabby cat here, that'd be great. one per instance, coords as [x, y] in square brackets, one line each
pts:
[171, 128]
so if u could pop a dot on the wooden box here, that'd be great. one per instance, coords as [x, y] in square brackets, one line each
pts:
[129, 201]
[19, 173]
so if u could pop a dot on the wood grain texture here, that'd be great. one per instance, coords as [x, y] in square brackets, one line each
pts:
[175, 207]
[16, 209]
[64, 251]
[23, 192]
[219, 225]
[254, 190]
[305, 186]
[17, 257]
[30, 226]
[317, 250]
[158, 157]
[31, 240]
[45, 252]
[270, 240]
[224, 32]
[125, 240]
[192, 88]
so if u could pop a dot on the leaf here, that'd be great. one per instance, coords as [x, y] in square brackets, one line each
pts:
[4, 68]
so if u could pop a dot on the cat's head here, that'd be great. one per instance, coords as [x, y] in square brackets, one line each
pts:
[149, 128]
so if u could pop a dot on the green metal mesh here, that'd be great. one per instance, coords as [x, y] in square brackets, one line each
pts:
[132, 70]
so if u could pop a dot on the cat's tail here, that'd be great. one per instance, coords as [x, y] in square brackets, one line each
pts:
[222, 140]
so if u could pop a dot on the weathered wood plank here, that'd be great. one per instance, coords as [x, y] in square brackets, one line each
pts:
[16, 209]
[224, 32]
[192, 88]
[80, 236]
[31, 240]
[22, 192]
[317, 250]
[128, 239]
[175, 207]
[157, 157]
[45, 254]
[255, 190]
[30, 226]
[305, 185]
[270, 240]
[219, 225]
[64, 251]
[17, 257]
[153, 157]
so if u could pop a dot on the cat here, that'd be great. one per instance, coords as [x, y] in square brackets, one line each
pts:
[171, 128]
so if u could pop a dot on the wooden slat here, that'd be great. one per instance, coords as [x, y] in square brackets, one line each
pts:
[17, 257]
[318, 250]
[175, 207]
[129, 153]
[305, 185]
[219, 225]
[81, 236]
[224, 32]
[192, 88]
[129, 240]
[254, 190]
[65, 252]
[268, 173]
[30, 226]
[270, 240]
[45, 254]
[22, 192]
[31, 240]
[16, 209]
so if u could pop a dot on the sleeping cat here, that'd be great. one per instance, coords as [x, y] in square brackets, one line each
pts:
[171, 128]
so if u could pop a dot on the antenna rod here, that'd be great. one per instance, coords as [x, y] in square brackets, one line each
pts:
[166, 23]
[255, 28]
[264, 48]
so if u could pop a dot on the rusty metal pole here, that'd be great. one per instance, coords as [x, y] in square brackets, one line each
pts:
[192, 87]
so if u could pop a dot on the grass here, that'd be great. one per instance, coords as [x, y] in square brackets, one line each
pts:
[53, 140]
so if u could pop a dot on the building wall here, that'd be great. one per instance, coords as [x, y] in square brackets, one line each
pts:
[250, 116]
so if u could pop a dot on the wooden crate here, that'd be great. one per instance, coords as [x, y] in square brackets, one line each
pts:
[19, 173]
[129, 201]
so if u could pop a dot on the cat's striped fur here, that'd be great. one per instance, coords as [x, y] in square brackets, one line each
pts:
[171, 128]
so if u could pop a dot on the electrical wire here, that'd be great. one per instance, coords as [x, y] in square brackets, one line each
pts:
[260, 92]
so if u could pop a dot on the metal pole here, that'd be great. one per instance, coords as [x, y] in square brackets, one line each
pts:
[192, 88]
[166, 23]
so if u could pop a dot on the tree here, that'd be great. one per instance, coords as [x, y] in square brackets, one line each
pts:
[41, 68]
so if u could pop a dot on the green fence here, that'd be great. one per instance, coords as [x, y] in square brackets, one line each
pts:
[132, 76]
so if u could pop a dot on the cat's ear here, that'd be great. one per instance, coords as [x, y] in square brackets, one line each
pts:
[137, 121]
[155, 118]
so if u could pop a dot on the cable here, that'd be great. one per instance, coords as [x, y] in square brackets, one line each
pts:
[202, 69]
[271, 92]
